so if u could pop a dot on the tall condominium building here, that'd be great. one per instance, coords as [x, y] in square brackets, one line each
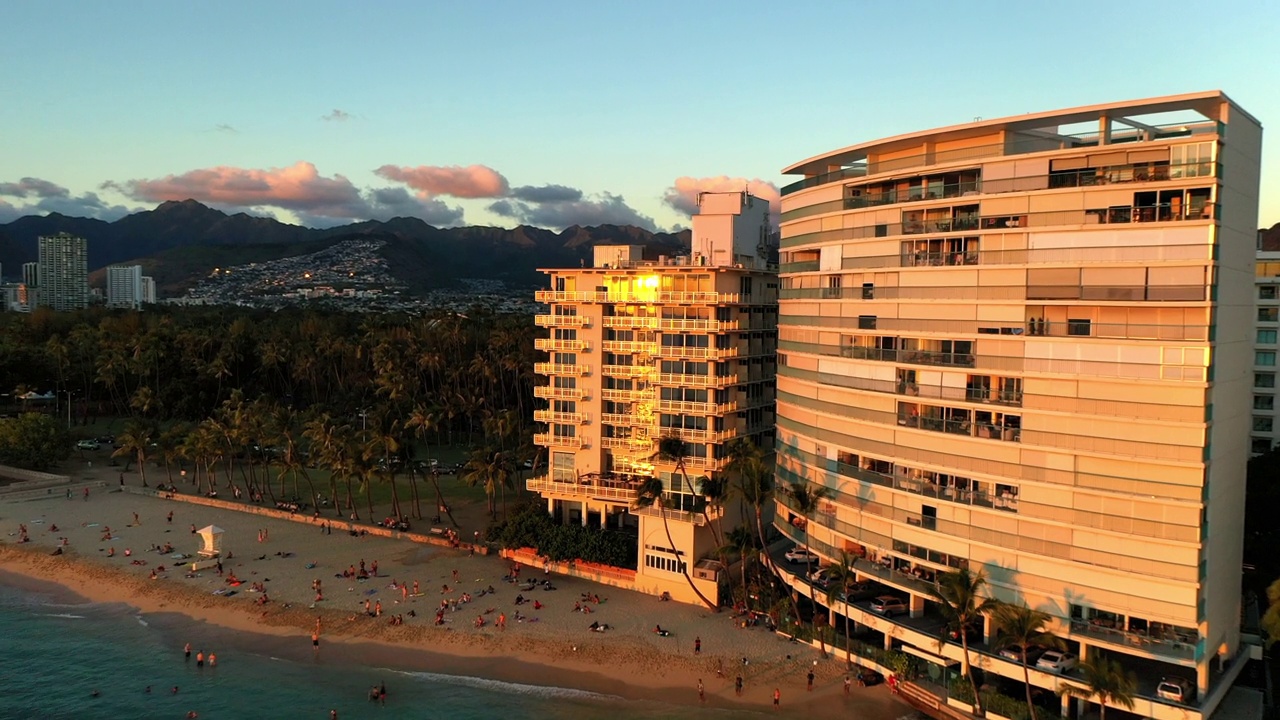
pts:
[645, 348]
[31, 284]
[124, 286]
[64, 272]
[1025, 347]
[148, 290]
[1265, 435]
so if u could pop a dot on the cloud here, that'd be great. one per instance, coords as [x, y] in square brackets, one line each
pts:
[683, 195]
[53, 198]
[546, 193]
[337, 116]
[225, 128]
[603, 209]
[473, 181]
[316, 200]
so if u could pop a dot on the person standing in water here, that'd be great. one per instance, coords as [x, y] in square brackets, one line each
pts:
[186, 651]
[200, 659]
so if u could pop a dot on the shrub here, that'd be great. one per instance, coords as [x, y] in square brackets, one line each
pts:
[531, 526]
[961, 690]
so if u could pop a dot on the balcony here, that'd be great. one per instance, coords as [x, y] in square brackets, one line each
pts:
[659, 297]
[696, 408]
[626, 395]
[800, 266]
[574, 321]
[627, 371]
[630, 321]
[630, 346]
[911, 357]
[632, 443]
[553, 345]
[682, 380]
[1170, 644]
[699, 436]
[623, 419]
[550, 440]
[551, 392]
[609, 488]
[685, 516]
[562, 418]
[696, 325]
[561, 369]
[697, 353]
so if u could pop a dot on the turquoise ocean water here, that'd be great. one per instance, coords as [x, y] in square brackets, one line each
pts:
[53, 655]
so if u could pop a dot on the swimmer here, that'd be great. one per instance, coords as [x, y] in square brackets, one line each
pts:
[94, 693]
[174, 691]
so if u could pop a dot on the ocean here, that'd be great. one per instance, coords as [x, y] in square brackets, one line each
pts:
[54, 655]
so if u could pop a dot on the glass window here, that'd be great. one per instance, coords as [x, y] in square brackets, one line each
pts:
[1266, 337]
[1264, 358]
[1268, 314]
[1262, 424]
[1267, 292]
[562, 469]
[1264, 380]
[1264, 402]
[1260, 445]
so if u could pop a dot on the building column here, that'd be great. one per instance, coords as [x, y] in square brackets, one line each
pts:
[1066, 705]
[604, 517]
[584, 513]
[1202, 678]
[1084, 652]
[888, 641]
[1104, 130]
[551, 507]
[917, 605]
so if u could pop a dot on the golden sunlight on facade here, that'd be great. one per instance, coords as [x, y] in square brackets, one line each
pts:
[1026, 346]
[645, 348]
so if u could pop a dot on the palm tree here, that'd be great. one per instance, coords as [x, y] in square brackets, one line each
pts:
[741, 541]
[134, 442]
[1106, 681]
[423, 421]
[807, 499]
[382, 450]
[1021, 626]
[651, 494]
[843, 578]
[959, 595]
[673, 449]
[489, 468]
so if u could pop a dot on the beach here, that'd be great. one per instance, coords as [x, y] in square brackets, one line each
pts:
[550, 646]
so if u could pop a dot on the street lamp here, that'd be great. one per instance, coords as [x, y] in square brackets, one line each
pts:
[68, 394]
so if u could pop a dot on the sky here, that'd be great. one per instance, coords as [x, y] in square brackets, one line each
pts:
[554, 113]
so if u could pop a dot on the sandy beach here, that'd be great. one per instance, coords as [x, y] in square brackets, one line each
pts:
[549, 646]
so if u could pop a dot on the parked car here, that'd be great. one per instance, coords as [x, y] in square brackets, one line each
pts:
[1014, 653]
[1176, 689]
[87, 445]
[1057, 661]
[821, 577]
[800, 555]
[107, 439]
[863, 590]
[888, 605]
[972, 632]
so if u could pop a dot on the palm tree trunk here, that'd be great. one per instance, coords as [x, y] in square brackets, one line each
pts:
[822, 642]
[368, 496]
[395, 497]
[413, 492]
[684, 567]
[142, 468]
[968, 670]
[848, 656]
[440, 503]
[351, 501]
[1026, 679]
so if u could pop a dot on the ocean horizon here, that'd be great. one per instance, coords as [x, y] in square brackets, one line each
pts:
[57, 654]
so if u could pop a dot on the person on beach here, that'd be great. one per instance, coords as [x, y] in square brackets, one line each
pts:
[810, 681]
[697, 645]
[702, 692]
[86, 493]
[169, 518]
[315, 641]
[737, 686]
[847, 684]
[377, 609]
[777, 698]
[136, 521]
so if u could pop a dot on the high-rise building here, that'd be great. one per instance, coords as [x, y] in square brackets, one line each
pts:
[64, 272]
[31, 284]
[641, 349]
[1025, 347]
[148, 290]
[1267, 324]
[124, 286]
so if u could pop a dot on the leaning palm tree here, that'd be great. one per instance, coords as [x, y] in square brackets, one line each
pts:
[650, 494]
[134, 442]
[960, 597]
[1023, 627]
[843, 579]
[1106, 681]
[740, 541]
[488, 468]
[673, 449]
[807, 498]
[423, 421]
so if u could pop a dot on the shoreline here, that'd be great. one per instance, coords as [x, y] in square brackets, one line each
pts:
[629, 662]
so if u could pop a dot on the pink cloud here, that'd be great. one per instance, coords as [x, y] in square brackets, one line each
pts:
[683, 195]
[297, 187]
[472, 181]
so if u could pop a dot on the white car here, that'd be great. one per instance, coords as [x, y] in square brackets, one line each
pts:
[87, 445]
[1057, 661]
[820, 577]
[800, 555]
[1176, 689]
[888, 606]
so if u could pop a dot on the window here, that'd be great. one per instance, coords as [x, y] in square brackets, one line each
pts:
[564, 358]
[1267, 292]
[1262, 424]
[562, 381]
[564, 334]
[1264, 380]
[1268, 314]
[661, 563]
[1078, 327]
[1264, 358]
[1266, 337]
[866, 322]
[928, 517]
[562, 469]
[1264, 402]
[1260, 445]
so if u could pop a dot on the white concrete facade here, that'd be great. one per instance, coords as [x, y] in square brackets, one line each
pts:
[124, 286]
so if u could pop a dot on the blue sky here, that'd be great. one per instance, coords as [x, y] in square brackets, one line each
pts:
[555, 112]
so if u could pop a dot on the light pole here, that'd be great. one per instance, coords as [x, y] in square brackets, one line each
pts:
[68, 394]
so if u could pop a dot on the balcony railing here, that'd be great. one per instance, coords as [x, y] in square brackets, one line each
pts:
[563, 418]
[626, 419]
[1088, 255]
[1100, 293]
[554, 345]
[910, 357]
[986, 396]
[616, 443]
[696, 325]
[659, 297]
[630, 346]
[550, 440]
[627, 371]
[562, 321]
[560, 369]
[551, 392]
[682, 380]
[697, 353]
[696, 408]
[630, 321]
[699, 436]
[1181, 648]
[626, 395]
[595, 488]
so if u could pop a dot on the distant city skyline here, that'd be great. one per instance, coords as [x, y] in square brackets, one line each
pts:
[571, 112]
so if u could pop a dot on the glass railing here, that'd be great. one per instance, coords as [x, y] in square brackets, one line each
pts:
[1171, 644]
[987, 396]
[801, 266]
[1083, 255]
[1126, 293]
[872, 198]
[1120, 214]
[1046, 328]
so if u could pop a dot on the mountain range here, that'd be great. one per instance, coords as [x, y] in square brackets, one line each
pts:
[181, 241]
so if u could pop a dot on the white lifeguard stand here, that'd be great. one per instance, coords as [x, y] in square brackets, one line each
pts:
[211, 541]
